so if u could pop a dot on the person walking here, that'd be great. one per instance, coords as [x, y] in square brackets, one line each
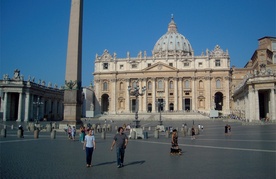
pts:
[175, 148]
[89, 146]
[121, 141]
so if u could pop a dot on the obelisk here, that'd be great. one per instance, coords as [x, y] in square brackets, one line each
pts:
[73, 88]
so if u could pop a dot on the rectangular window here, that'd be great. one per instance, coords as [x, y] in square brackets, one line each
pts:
[134, 66]
[171, 64]
[105, 66]
[200, 64]
[186, 64]
[121, 67]
[187, 93]
[149, 64]
[149, 94]
[171, 94]
[217, 63]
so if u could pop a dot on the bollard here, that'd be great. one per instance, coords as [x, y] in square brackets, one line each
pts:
[3, 132]
[48, 128]
[19, 134]
[156, 134]
[31, 127]
[133, 135]
[145, 135]
[167, 134]
[53, 134]
[109, 128]
[149, 128]
[36, 133]
[103, 134]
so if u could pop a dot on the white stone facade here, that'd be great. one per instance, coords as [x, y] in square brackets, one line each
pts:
[173, 74]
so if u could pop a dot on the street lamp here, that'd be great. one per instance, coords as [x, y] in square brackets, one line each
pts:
[135, 92]
[160, 104]
[37, 104]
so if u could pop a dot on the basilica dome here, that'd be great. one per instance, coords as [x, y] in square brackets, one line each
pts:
[172, 43]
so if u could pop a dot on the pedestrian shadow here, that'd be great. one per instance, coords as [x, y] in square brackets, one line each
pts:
[105, 163]
[136, 163]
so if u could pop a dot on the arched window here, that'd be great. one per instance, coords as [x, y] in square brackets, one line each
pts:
[187, 84]
[105, 86]
[201, 84]
[149, 85]
[171, 84]
[218, 85]
[160, 84]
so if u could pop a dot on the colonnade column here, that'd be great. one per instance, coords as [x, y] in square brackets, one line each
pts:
[5, 106]
[166, 94]
[27, 107]
[19, 107]
[257, 108]
[153, 95]
[175, 106]
[273, 107]
[251, 102]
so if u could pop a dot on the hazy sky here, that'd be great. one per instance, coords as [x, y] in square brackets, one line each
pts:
[34, 33]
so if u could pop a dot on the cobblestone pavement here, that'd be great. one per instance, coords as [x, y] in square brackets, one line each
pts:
[248, 152]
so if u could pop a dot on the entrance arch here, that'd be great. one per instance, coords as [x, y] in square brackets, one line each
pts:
[218, 101]
[105, 103]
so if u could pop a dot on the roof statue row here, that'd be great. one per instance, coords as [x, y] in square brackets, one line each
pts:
[172, 44]
[18, 77]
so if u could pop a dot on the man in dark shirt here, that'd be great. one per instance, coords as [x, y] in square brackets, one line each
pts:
[121, 140]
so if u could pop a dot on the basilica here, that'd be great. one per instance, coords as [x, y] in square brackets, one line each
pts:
[173, 76]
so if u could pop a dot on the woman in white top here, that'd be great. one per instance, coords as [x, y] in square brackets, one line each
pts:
[89, 145]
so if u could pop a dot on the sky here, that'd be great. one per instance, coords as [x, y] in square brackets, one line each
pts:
[34, 33]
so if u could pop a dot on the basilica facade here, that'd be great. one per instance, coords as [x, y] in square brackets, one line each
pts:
[172, 76]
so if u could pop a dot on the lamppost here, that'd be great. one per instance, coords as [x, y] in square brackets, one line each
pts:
[135, 92]
[160, 103]
[37, 104]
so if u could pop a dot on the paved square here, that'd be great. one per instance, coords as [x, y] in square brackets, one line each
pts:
[248, 152]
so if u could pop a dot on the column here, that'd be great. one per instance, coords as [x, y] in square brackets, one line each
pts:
[19, 107]
[175, 108]
[153, 94]
[194, 100]
[144, 97]
[140, 97]
[27, 107]
[226, 107]
[113, 96]
[273, 107]
[167, 94]
[5, 106]
[127, 100]
[257, 108]
[208, 88]
[180, 101]
[251, 103]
